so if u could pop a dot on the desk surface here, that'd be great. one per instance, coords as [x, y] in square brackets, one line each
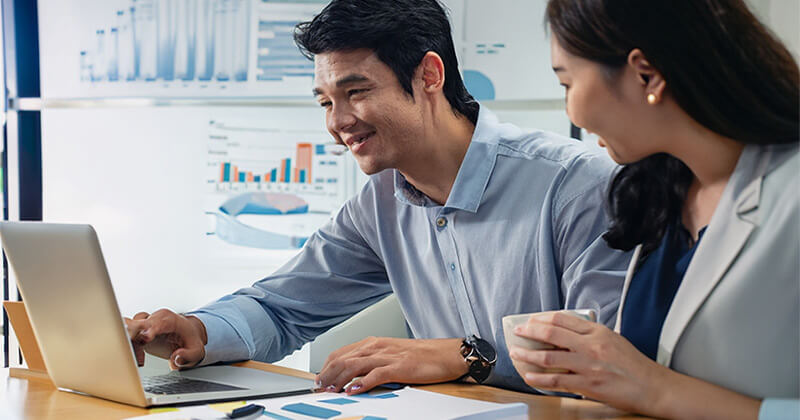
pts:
[35, 399]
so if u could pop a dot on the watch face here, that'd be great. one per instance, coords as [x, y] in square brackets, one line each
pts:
[479, 372]
[485, 349]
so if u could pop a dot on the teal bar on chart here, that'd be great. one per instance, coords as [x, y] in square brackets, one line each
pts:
[311, 410]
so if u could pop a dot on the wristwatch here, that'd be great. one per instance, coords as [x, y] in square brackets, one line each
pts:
[480, 357]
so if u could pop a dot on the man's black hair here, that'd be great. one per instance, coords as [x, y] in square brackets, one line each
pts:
[400, 32]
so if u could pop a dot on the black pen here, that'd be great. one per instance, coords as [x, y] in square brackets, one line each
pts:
[250, 411]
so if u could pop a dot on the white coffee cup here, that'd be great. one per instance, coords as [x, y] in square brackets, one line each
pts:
[511, 321]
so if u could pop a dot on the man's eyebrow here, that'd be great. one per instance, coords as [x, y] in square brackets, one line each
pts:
[353, 78]
[344, 81]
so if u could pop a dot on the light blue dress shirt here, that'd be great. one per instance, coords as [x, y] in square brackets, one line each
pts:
[520, 232]
[779, 409]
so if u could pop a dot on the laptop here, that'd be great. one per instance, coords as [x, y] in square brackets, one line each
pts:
[65, 285]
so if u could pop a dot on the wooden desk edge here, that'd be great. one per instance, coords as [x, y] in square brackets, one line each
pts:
[276, 369]
[29, 374]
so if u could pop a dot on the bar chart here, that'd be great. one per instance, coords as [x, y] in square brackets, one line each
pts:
[300, 173]
[171, 40]
[198, 46]
[244, 157]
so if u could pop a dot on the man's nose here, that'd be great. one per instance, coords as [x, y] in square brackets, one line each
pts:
[341, 118]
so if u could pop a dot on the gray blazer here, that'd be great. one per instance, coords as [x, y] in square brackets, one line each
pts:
[735, 320]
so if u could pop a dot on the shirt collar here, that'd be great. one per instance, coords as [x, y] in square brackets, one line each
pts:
[473, 175]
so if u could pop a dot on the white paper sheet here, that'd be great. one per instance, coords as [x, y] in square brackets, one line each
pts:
[409, 403]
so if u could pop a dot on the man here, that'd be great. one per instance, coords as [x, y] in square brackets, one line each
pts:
[464, 219]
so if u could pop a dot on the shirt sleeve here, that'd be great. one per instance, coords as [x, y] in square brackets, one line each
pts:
[335, 276]
[779, 409]
[592, 274]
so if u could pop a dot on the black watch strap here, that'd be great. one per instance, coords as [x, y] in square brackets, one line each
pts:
[480, 357]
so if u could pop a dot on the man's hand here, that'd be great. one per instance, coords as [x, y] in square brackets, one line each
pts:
[386, 360]
[180, 339]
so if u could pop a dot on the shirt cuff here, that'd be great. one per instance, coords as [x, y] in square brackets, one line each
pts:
[779, 409]
[224, 343]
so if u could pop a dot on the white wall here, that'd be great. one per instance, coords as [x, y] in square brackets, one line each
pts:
[783, 18]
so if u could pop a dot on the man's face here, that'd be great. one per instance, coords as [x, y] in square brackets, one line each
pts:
[366, 109]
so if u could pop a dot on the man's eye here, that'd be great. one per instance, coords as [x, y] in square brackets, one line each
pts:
[352, 92]
[325, 104]
[566, 86]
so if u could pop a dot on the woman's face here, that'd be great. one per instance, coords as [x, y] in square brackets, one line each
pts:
[609, 103]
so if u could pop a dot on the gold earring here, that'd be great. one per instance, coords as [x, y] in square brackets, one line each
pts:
[652, 99]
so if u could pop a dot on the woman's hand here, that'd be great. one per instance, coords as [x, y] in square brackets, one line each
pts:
[602, 364]
[606, 367]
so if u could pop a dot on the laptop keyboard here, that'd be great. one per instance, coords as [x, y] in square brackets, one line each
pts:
[171, 384]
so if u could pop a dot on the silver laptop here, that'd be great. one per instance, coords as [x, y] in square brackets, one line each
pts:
[68, 295]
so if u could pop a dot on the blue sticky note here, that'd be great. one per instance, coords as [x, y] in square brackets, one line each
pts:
[339, 401]
[276, 416]
[311, 410]
[377, 396]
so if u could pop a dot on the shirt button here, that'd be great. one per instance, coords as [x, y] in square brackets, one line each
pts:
[441, 222]
[453, 267]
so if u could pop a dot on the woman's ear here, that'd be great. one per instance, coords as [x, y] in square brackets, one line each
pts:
[652, 81]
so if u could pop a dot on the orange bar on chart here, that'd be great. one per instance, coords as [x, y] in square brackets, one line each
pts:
[304, 153]
[283, 171]
[221, 172]
[235, 174]
[249, 177]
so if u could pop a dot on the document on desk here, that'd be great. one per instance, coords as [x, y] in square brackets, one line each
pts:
[402, 404]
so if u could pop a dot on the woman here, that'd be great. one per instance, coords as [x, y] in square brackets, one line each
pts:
[700, 103]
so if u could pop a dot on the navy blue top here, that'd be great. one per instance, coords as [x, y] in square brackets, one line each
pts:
[653, 288]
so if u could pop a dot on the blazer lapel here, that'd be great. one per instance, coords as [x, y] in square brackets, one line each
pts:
[734, 219]
[628, 277]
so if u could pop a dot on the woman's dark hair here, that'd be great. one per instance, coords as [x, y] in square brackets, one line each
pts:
[400, 32]
[722, 66]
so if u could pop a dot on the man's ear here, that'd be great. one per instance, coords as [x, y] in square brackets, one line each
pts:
[431, 72]
[648, 76]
